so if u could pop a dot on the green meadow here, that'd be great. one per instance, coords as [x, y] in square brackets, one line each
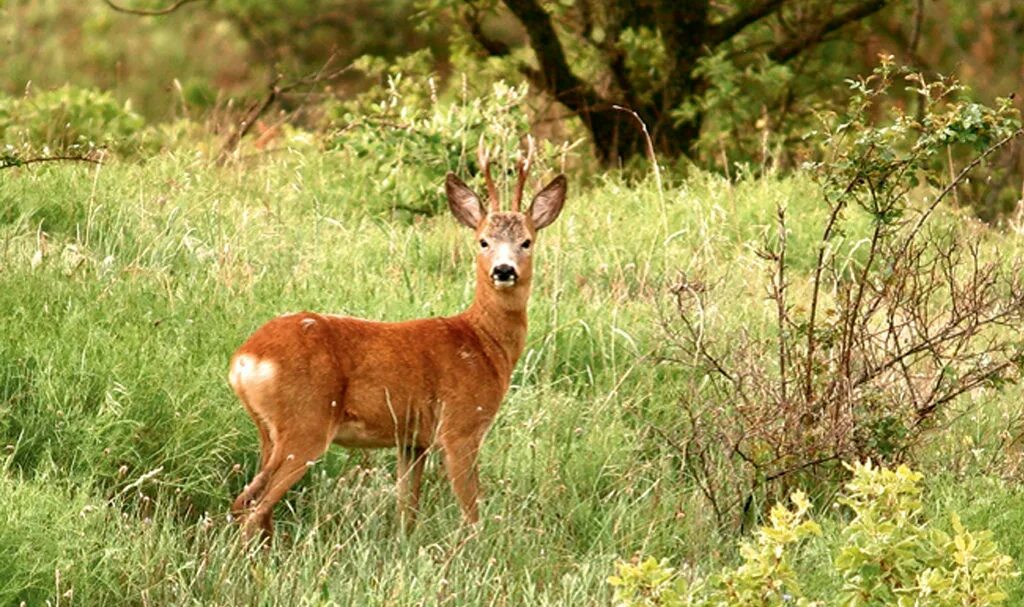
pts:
[124, 289]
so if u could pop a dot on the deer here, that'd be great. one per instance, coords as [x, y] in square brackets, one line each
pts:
[310, 380]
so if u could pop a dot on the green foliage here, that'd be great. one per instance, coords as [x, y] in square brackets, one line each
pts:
[125, 290]
[881, 556]
[68, 119]
[298, 36]
[766, 577]
[423, 136]
[877, 164]
[645, 59]
[649, 583]
[835, 355]
[51, 43]
[42, 532]
[888, 554]
[891, 555]
[738, 109]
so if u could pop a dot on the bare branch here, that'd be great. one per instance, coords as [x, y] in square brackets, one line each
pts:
[274, 91]
[13, 162]
[555, 75]
[788, 49]
[959, 178]
[495, 48]
[915, 34]
[726, 29]
[149, 13]
[251, 116]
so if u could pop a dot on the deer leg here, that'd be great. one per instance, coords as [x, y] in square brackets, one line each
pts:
[287, 464]
[460, 463]
[410, 477]
[259, 481]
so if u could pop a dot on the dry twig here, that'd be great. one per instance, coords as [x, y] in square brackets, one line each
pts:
[149, 13]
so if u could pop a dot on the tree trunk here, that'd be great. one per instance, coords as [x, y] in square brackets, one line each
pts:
[617, 136]
[688, 33]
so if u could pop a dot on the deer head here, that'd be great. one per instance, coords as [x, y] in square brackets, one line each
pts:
[505, 239]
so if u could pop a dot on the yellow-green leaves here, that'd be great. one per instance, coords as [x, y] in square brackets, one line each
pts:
[888, 554]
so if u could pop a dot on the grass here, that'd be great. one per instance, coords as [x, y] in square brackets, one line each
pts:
[125, 288]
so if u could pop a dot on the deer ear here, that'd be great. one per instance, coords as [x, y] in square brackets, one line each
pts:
[547, 204]
[462, 201]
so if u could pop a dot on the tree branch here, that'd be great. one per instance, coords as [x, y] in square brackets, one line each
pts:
[787, 49]
[149, 13]
[274, 90]
[554, 75]
[905, 47]
[8, 162]
[727, 28]
[494, 48]
[498, 48]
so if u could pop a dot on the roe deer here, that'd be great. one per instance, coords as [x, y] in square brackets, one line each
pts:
[311, 379]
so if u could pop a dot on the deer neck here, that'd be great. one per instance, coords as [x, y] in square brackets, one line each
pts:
[499, 319]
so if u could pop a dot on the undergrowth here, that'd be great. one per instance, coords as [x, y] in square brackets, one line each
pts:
[125, 287]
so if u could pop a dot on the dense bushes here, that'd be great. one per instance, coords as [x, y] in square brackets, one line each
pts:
[903, 312]
[424, 134]
[68, 119]
[888, 554]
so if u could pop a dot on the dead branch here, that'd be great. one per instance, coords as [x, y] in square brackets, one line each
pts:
[149, 13]
[14, 162]
[274, 91]
[790, 48]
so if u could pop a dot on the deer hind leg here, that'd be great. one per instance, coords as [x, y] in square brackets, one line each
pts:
[293, 453]
[255, 487]
[460, 462]
[410, 477]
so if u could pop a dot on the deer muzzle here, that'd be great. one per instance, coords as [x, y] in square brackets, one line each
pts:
[504, 275]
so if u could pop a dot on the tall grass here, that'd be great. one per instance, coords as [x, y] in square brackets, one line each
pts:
[124, 289]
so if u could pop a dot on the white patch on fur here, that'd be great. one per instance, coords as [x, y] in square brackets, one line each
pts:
[505, 256]
[248, 370]
[307, 322]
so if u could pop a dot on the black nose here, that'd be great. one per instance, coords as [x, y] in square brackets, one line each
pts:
[503, 273]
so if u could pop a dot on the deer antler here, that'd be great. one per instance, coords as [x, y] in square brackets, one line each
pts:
[484, 159]
[523, 169]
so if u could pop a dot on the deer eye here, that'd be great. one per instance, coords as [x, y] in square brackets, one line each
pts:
[483, 244]
[526, 244]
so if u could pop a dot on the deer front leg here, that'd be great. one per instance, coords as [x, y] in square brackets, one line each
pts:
[460, 462]
[410, 476]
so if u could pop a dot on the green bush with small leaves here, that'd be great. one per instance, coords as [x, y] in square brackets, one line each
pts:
[888, 554]
[425, 134]
[892, 555]
[68, 120]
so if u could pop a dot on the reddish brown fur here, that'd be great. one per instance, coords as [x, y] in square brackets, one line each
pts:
[311, 379]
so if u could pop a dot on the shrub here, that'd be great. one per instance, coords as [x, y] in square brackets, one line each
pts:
[903, 313]
[888, 554]
[423, 136]
[68, 120]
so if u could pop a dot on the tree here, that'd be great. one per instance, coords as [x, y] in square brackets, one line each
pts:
[647, 56]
